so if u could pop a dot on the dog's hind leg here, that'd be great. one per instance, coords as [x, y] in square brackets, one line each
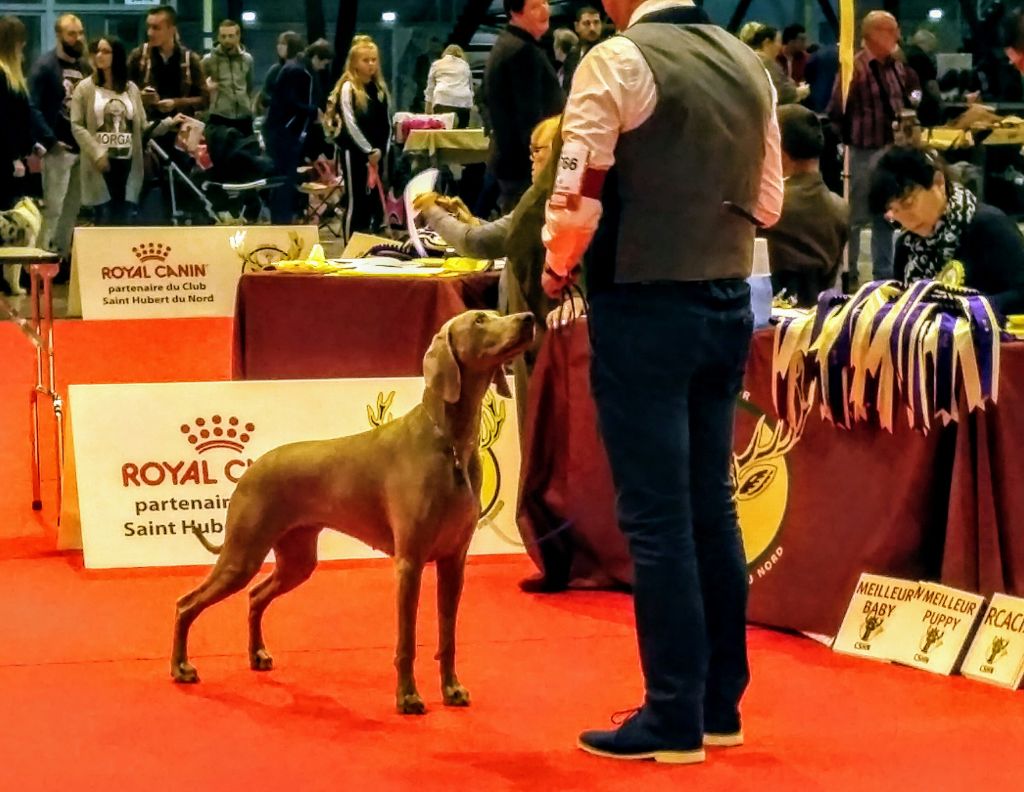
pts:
[295, 557]
[409, 574]
[450, 574]
[228, 576]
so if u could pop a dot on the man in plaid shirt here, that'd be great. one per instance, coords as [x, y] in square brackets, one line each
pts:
[881, 88]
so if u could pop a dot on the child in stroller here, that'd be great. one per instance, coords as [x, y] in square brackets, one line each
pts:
[239, 176]
[227, 175]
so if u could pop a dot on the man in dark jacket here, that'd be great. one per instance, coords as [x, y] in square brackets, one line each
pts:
[589, 31]
[806, 245]
[522, 90]
[167, 72]
[52, 82]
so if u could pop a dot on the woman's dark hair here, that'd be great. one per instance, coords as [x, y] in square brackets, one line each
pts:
[898, 171]
[293, 43]
[320, 49]
[118, 63]
[763, 34]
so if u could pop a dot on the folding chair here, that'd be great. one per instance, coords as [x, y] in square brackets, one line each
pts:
[325, 194]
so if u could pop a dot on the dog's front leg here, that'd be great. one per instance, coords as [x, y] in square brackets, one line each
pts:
[450, 574]
[409, 575]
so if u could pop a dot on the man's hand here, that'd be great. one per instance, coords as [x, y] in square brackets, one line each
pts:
[19, 169]
[375, 156]
[165, 105]
[553, 283]
[103, 164]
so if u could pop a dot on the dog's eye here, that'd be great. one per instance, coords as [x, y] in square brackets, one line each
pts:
[480, 318]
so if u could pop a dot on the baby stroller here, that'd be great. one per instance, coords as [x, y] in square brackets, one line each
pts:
[227, 182]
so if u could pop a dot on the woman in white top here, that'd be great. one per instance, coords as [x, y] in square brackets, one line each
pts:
[450, 86]
[108, 120]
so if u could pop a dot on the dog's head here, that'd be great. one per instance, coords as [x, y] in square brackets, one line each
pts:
[475, 342]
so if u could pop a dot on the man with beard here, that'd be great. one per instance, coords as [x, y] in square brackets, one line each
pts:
[228, 70]
[52, 82]
[589, 30]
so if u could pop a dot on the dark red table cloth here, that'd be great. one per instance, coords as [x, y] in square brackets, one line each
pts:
[816, 510]
[307, 326]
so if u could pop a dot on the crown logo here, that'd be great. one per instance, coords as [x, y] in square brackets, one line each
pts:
[215, 432]
[152, 251]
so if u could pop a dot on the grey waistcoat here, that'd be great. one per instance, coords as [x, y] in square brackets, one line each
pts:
[664, 218]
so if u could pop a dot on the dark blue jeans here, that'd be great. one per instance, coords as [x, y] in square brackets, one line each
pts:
[667, 367]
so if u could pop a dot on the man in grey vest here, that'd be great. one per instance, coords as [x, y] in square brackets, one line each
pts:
[670, 159]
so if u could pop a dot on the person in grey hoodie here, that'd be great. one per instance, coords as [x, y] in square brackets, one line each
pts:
[229, 76]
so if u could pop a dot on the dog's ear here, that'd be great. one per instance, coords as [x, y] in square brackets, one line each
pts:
[501, 383]
[440, 368]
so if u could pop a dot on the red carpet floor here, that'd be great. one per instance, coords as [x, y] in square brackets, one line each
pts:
[88, 704]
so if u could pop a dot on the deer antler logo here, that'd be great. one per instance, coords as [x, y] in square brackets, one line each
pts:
[932, 639]
[261, 257]
[760, 481]
[872, 624]
[997, 649]
[492, 419]
[381, 413]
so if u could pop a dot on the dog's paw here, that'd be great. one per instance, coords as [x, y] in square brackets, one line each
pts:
[411, 704]
[184, 673]
[455, 696]
[261, 660]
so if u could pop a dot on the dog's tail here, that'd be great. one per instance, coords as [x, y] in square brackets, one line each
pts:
[215, 549]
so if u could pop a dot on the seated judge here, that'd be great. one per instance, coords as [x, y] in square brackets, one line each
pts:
[516, 236]
[947, 233]
[806, 245]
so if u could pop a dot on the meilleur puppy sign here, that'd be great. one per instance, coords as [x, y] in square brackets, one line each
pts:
[937, 624]
[920, 624]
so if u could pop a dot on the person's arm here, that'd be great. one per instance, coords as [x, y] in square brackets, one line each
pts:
[44, 105]
[613, 77]
[995, 246]
[770, 198]
[899, 260]
[88, 144]
[486, 241]
[785, 88]
[835, 110]
[349, 116]
[199, 94]
[428, 94]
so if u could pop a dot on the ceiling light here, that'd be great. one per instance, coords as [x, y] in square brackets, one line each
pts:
[389, 16]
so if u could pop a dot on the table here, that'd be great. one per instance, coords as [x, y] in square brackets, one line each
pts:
[946, 506]
[43, 267]
[308, 326]
[449, 146]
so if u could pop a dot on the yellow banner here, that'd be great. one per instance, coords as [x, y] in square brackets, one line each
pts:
[847, 23]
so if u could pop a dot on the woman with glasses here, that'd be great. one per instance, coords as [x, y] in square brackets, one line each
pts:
[515, 236]
[947, 233]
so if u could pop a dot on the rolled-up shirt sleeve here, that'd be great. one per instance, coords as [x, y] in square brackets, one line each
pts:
[769, 200]
[613, 91]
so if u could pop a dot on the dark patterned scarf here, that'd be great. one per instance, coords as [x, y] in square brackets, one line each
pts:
[928, 255]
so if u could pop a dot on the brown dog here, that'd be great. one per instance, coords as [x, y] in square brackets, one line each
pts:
[410, 488]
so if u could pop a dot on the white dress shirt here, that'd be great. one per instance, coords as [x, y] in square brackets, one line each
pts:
[449, 83]
[613, 92]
